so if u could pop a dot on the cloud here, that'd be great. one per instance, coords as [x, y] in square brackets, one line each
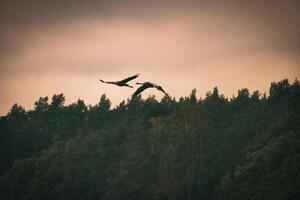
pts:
[182, 44]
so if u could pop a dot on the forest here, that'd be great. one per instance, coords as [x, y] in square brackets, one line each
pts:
[212, 148]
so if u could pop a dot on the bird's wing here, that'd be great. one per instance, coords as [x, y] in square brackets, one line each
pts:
[129, 78]
[160, 88]
[140, 89]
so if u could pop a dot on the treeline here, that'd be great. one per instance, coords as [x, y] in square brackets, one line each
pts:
[246, 147]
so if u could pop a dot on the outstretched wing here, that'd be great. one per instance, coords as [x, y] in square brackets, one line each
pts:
[140, 89]
[129, 79]
[160, 89]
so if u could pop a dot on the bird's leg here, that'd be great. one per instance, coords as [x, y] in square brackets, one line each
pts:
[128, 86]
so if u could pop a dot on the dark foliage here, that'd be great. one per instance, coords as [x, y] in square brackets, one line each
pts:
[247, 147]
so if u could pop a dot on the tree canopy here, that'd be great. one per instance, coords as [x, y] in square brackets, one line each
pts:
[245, 147]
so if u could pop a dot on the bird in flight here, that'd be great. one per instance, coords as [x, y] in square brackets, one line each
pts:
[122, 82]
[145, 86]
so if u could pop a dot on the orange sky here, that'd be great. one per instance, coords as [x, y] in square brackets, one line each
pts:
[62, 47]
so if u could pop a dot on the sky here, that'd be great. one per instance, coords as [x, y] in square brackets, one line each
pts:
[63, 46]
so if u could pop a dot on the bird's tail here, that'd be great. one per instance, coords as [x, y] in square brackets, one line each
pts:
[102, 81]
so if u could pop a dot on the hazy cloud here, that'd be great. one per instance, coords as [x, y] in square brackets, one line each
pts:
[188, 43]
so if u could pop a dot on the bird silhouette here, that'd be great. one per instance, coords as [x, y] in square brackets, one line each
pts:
[145, 86]
[122, 82]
